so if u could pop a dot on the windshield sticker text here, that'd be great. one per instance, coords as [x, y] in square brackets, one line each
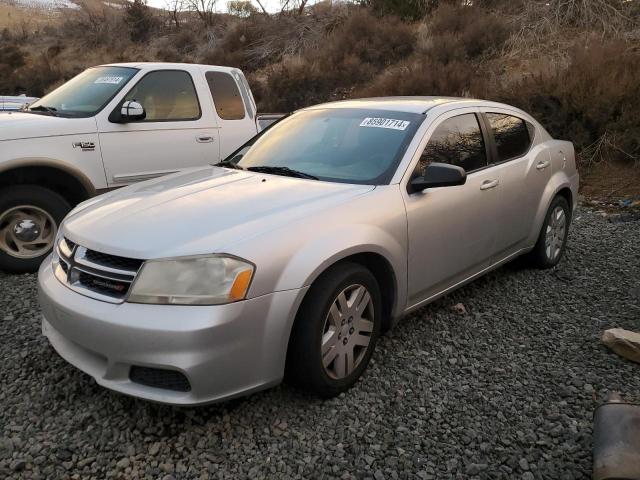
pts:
[112, 80]
[385, 123]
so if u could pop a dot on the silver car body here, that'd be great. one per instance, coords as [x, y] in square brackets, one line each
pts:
[292, 230]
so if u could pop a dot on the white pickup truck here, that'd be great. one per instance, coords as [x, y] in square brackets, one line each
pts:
[110, 126]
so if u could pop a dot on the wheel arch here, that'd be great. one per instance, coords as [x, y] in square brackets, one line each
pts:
[382, 270]
[70, 183]
[560, 184]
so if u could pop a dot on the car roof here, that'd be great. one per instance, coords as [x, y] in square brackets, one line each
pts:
[166, 65]
[415, 104]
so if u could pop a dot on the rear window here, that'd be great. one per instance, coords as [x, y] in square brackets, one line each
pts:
[226, 95]
[511, 135]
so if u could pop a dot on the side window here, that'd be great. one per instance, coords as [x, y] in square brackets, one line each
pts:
[166, 95]
[511, 135]
[226, 95]
[457, 141]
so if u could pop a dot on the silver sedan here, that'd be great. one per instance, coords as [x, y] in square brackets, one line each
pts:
[291, 257]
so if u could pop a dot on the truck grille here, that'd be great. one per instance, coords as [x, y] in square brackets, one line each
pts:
[95, 274]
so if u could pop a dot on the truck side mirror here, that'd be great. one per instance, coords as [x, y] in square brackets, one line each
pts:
[129, 111]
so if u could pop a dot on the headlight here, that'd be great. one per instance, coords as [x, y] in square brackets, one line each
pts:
[197, 280]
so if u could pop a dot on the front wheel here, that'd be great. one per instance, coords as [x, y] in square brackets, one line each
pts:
[29, 219]
[552, 241]
[335, 331]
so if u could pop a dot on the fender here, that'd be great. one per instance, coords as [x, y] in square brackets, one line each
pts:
[52, 163]
[336, 244]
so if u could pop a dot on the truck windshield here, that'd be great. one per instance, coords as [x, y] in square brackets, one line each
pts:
[346, 145]
[86, 94]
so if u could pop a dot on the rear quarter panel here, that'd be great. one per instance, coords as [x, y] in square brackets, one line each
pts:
[564, 174]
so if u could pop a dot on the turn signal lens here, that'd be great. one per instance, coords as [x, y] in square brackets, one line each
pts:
[240, 285]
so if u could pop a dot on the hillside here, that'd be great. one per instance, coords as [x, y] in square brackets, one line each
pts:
[572, 64]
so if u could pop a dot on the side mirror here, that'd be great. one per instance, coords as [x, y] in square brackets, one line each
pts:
[438, 175]
[130, 111]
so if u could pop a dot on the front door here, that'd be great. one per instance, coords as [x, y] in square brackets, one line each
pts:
[451, 229]
[174, 135]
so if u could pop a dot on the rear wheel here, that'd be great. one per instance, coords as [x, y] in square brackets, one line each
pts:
[552, 241]
[29, 219]
[336, 330]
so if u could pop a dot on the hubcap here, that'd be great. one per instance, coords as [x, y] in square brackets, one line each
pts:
[554, 236]
[347, 331]
[26, 231]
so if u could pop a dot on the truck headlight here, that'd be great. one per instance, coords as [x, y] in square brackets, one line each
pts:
[196, 280]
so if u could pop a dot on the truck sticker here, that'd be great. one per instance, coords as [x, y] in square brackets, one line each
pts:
[391, 123]
[111, 79]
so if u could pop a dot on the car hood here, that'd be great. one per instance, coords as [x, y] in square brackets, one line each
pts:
[19, 125]
[198, 211]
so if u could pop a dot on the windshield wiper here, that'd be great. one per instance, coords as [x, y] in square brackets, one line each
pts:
[228, 164]
[285, 171]
[43, 108]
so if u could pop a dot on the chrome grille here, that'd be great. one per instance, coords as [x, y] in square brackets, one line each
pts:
[95, 274]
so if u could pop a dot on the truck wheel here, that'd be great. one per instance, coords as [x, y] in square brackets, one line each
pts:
[29, 219]
[335, 331]
[553, 236]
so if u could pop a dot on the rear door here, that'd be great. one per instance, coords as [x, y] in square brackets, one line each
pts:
[233, 108]
[177, 133]
[524, 169]
[452, 229]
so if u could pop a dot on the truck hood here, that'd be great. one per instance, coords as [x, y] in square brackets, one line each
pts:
[198, 211]
[19, 125]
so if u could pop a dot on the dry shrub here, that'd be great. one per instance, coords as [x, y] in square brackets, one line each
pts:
[462, 32]
[96, 26]
[260, 40]
[377, 41]
[423, 76]
[406, 9]
[351, 54]
[595, 98]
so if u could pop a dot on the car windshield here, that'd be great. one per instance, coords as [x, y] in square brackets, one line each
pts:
[86, 94]
[333, 144]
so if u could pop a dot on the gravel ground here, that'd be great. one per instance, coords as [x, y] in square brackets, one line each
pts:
[505, 390]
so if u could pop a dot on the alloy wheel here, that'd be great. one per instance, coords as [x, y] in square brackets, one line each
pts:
[347, 331]
[555, 233]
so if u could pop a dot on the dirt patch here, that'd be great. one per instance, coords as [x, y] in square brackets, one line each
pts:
[612, 182]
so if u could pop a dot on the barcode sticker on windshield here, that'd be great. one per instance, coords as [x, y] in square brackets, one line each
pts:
[112, 79]
[385, 123]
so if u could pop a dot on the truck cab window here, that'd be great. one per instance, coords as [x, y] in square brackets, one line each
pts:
[167, 95]
[226, 95]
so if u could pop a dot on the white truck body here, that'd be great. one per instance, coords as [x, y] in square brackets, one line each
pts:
[77, 156]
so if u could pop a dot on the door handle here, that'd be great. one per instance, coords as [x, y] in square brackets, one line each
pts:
[488, 184]
[204, 139]
[542, 165]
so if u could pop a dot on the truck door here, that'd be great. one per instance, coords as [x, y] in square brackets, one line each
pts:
[178, 131]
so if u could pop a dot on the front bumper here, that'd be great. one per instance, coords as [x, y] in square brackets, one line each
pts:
[223, 350]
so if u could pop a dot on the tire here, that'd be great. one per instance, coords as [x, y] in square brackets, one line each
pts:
[305, 362]
[543, 254]
[40, 207]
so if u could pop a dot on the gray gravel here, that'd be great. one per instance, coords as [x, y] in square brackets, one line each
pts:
[505, 390]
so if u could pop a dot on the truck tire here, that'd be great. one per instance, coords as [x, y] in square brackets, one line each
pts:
[29, 219]
[335, 331]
